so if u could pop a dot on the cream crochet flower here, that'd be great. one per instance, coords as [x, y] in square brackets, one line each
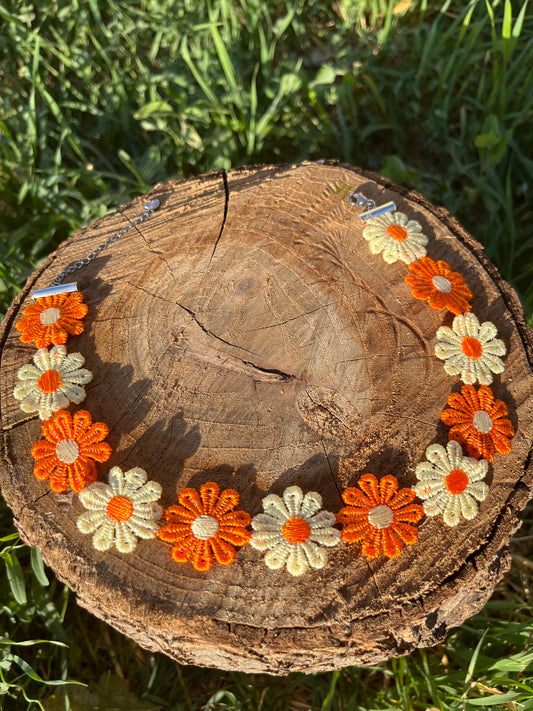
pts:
[121, 511]
[293, 530]
[450, 483]
[395, 237]
[470, 350]
[53, 382]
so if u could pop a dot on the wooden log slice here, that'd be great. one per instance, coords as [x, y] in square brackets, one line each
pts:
[246, 334]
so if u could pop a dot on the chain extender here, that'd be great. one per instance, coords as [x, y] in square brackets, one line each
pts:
[56, 287]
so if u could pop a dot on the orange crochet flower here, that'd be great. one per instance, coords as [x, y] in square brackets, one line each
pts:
[436, 282]
[67, 455]
[51, 319]
[204, 528]
[478, 422]
[378, 516]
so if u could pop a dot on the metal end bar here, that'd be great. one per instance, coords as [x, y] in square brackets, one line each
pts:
[377, 211]
[54, 290]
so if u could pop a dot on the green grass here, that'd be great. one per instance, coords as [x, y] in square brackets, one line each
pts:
[100, 100]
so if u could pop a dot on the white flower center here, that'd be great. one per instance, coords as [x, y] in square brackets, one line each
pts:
[442, 284]
[49, 316]
[380, 516]
[67, 451]
[204, 527]
[482, 421]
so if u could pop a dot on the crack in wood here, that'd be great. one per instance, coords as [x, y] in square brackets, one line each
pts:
[333, 477]
[293, 318]
[227, 359]
[19, 423]
[327, 412]
[211, 355]
[225, 215]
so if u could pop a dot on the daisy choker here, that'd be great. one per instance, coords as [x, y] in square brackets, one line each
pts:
[205, 526]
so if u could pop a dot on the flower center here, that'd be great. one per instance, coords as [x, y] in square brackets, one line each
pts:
[296, 530]
[204, 527]
[472, 348]
[456, 481]
[482, 421]
[120, 508]
[442, 284]
[49, 381]
[380, 516]
[67, 451]
[397, 232]
[50, 316]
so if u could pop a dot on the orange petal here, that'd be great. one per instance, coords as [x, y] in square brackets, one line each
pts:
[99, 452]
[369, 484]
[392, 545]
[182, 553]
[81, 422]
[66, 325]
[351, 514]
[355, 496]
[404, 497]
[373, 542]
[176, 533]
[81, 475]
[439, 301]
[44, 467]
[413, 513]
[408, 534]
[178, 514]
[236, 518]
[388, 486]
[228, 500]
[453, 417]
[96, 433]
[501, 443]
[190, 499]
[223, 552]
[236, 535]
[42, 449]
[209, 494]
[202, 557]
[59, 480]
[59, 427]
[355, 532]
[498, 410]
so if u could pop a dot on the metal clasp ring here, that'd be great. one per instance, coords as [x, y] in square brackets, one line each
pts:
[358, 200]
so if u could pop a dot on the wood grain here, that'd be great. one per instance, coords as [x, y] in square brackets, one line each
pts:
[246, 334]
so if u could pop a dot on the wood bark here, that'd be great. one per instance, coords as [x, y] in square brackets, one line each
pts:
[245, 334]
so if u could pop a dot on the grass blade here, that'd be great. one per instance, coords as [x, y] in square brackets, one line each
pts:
[15, 577]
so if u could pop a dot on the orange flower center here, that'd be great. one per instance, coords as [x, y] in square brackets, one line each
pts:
[397, 232]
[204, 527]
[472, 348]
[482, 421]
[120, 508]
[442, 284]
[50, 316]
[67, 451]
[296, 530]
[49, 381]
[456, 481]
[381, 516]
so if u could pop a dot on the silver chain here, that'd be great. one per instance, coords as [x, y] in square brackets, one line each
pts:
[149, 209]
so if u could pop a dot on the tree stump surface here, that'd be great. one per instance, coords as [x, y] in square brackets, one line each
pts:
[245, 334]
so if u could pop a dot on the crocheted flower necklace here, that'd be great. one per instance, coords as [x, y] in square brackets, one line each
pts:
[205, 526]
